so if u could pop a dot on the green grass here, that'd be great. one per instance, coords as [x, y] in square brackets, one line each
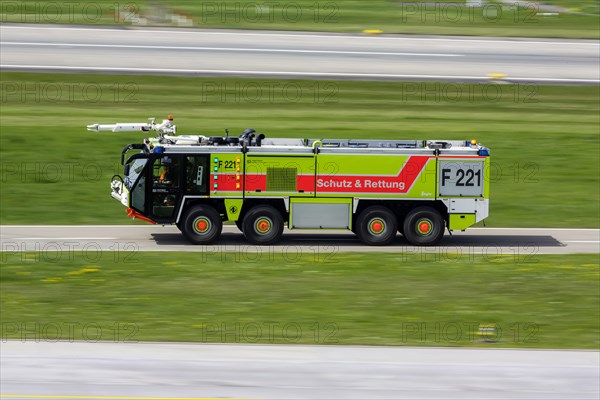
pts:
[335, 16]
[322, 298]
[544, 140]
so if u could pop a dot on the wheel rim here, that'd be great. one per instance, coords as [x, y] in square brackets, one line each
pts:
[377, 226]
[202, 225]
[424, 227]
[263, 225]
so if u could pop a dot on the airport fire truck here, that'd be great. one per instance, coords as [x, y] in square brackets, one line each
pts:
[375, 188]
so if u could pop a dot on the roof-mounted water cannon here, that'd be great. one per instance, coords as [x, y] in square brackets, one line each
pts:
[166, 131]
[164, 128]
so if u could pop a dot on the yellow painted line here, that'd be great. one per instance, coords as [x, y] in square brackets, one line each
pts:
[42, 396]
[497, 76]
[373, 31]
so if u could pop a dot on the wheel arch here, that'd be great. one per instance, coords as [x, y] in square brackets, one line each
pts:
[191, 201]
[401, 207]
[277, 203]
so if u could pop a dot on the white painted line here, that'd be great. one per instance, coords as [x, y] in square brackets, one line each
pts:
[482, 39]
[65, 238]
[282, 73]
[581, 241]
[550, 80]
[231, 49]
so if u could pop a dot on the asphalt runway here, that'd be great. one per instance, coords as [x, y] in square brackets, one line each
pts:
[197, 52]
[83, 370]
[524, 243]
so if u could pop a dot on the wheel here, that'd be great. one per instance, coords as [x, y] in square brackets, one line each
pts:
[376, 226]
[263, 225]
[424, 226]
[202, 225]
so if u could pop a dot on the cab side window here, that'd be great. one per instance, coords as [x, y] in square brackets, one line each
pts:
[165, 172]
[138, 195]
[196, 176]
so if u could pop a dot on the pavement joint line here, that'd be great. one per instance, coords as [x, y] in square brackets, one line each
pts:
[481, 39]
[249, 49]
[283, 73]
[92, 397]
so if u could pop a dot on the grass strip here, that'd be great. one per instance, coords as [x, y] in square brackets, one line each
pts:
[291, 296]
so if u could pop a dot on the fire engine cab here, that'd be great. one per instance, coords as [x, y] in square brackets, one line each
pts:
[375, 188]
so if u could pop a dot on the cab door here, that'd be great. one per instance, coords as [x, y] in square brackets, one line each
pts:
[165, 187]
[135, 182]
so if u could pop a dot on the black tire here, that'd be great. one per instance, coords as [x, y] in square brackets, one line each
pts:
[201, 225]
[424, 226]
[263, 225]
[376, 226]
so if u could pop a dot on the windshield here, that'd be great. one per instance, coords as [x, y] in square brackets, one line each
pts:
[135, 169]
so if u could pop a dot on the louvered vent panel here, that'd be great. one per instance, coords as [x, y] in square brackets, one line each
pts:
[281, 179]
